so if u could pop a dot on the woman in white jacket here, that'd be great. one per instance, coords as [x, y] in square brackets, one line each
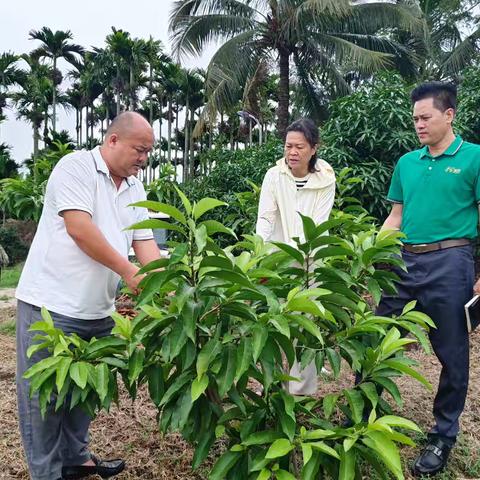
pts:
[299, 183]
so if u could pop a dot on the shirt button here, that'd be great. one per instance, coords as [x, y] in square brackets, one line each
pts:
[429, 168]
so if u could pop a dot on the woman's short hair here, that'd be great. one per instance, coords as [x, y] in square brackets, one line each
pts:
[310, 132]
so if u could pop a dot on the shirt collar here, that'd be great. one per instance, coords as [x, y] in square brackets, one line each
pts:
[453, 148]
[322, 176]
[101, 166]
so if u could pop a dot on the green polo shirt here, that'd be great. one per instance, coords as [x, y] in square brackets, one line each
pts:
[439, 194]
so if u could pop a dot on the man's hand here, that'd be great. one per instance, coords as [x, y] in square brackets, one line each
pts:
[476, 287]
[131, 278]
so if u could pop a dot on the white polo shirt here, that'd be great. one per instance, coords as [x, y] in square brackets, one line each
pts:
[57, 274]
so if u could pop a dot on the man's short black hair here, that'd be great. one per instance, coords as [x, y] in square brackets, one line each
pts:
[444, 94]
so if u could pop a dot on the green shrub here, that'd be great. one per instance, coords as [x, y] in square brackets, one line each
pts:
[234, 319]
[11, 241]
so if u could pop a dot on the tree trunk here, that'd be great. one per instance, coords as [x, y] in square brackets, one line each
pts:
[150, 89]
[192, 149]
[81, 125]
[118, 91]
[77, 125]
[169, 133]
[54, 100]
[283, 92]
[186, 144]
[36, 139]
[86, 127]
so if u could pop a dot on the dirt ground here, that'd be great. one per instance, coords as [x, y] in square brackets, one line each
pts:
[130, 431]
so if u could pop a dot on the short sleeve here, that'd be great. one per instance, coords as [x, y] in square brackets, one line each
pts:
[73, 186]
[141, 215]
[477, 185]
[395, 192]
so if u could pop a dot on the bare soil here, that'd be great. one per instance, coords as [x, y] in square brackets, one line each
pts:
[130, 431]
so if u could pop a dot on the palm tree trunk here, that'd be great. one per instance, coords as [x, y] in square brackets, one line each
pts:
[54, 116]
[118, 91]
[77, 125]
[192, 150]
[36, 139]
[283, 91]
[86, 126]
[81, 125]
[150, 91]
[169, 133]
[186, 144]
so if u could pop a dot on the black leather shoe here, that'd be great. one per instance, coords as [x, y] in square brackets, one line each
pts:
[433, 459]
[104, 468]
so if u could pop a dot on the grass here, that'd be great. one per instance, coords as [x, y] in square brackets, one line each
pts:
[9, 276]
[8, 328]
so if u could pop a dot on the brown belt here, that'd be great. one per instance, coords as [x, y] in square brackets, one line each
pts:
[431, 247]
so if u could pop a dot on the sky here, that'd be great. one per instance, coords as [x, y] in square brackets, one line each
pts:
[90, 21]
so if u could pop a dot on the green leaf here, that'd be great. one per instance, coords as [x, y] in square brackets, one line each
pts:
[310, 327]
[370, 392]
[175, 386]
[347, 465]
[208, 353]
[260, 438]
[329, 402]
[323, 447]
[224, 464]
[135, 364]
[259, 335]
[334, 360]
[307, 452]
[281, 324]
[156, 383]
[186, 203]
[79, 373]
[206, 204]
[226, 375]
[234, 278]
[201, 238]
[244, 357]
[163, 208]
[398, 365]
[386, 450]
[102, 380]
[62, 371]
[394, 421]
[293, 252]
[42, 365]
[279, 448]
[283, 475]
[216, 227]
[154, 224]
[356, 403]
[310, 470]
[333, 252]
[298, 304]
[265, 474]
[199, 385]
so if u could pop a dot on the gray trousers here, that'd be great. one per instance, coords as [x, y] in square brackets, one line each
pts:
[61, 439]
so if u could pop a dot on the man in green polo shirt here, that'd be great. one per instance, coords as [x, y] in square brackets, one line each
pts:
[435, 193]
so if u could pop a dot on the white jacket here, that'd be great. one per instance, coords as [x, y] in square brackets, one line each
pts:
[280, 202]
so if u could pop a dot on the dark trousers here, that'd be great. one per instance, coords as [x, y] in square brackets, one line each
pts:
[441, 282]
[61, 438]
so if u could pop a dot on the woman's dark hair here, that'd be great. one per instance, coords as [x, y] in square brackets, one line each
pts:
[310, 132]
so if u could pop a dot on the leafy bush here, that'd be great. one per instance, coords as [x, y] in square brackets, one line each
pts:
[22, 198]
[233, 320]
[11, 241]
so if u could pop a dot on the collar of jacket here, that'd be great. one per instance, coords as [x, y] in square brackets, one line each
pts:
[321, 178]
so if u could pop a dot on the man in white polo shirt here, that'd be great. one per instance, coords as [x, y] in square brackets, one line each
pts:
[77, 258]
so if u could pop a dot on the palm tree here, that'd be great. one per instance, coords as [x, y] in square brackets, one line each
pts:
[320, 36]
[10, 75]
[33, 99]
[8, 166]
[56, 45]
[448, 49]
[169, 80]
